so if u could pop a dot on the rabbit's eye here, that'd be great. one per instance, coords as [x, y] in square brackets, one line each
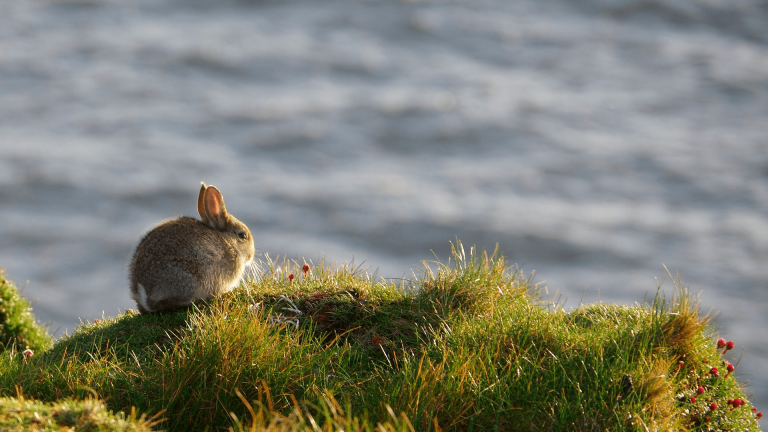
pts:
[242, 235]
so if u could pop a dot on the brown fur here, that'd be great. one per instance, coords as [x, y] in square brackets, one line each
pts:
[183, 260]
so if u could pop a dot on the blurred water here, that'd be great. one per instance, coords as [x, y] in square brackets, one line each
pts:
[594, 140]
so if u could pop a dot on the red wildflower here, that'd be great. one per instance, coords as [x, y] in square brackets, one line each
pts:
[305, 268]
[728, 346]
[693, 399]
[721, 343]
[713, 406]
[290, 277]
[730, 369]
[700, 390]
[759, 415]
[714, 372]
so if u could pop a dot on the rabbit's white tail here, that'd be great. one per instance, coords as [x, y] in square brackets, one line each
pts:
[142, 300]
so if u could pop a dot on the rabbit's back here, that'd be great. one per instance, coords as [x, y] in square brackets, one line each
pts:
[179, 261]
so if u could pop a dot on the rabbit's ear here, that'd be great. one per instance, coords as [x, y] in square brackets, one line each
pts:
[215, 209]
[200, 203]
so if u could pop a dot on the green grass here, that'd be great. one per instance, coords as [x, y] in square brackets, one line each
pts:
[467, 345]
[23, 415]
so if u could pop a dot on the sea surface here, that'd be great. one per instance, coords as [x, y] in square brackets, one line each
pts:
[596, 141]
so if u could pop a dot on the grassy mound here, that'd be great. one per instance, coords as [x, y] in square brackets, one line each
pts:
[466, 346]
[18, 329]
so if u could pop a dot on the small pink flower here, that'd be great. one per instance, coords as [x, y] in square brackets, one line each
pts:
[700, 390]
[728, 346]
[96, 321]
[28, 353]
[730, 369]
[290, 277]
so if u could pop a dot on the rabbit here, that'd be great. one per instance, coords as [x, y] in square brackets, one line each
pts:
[184, 260]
